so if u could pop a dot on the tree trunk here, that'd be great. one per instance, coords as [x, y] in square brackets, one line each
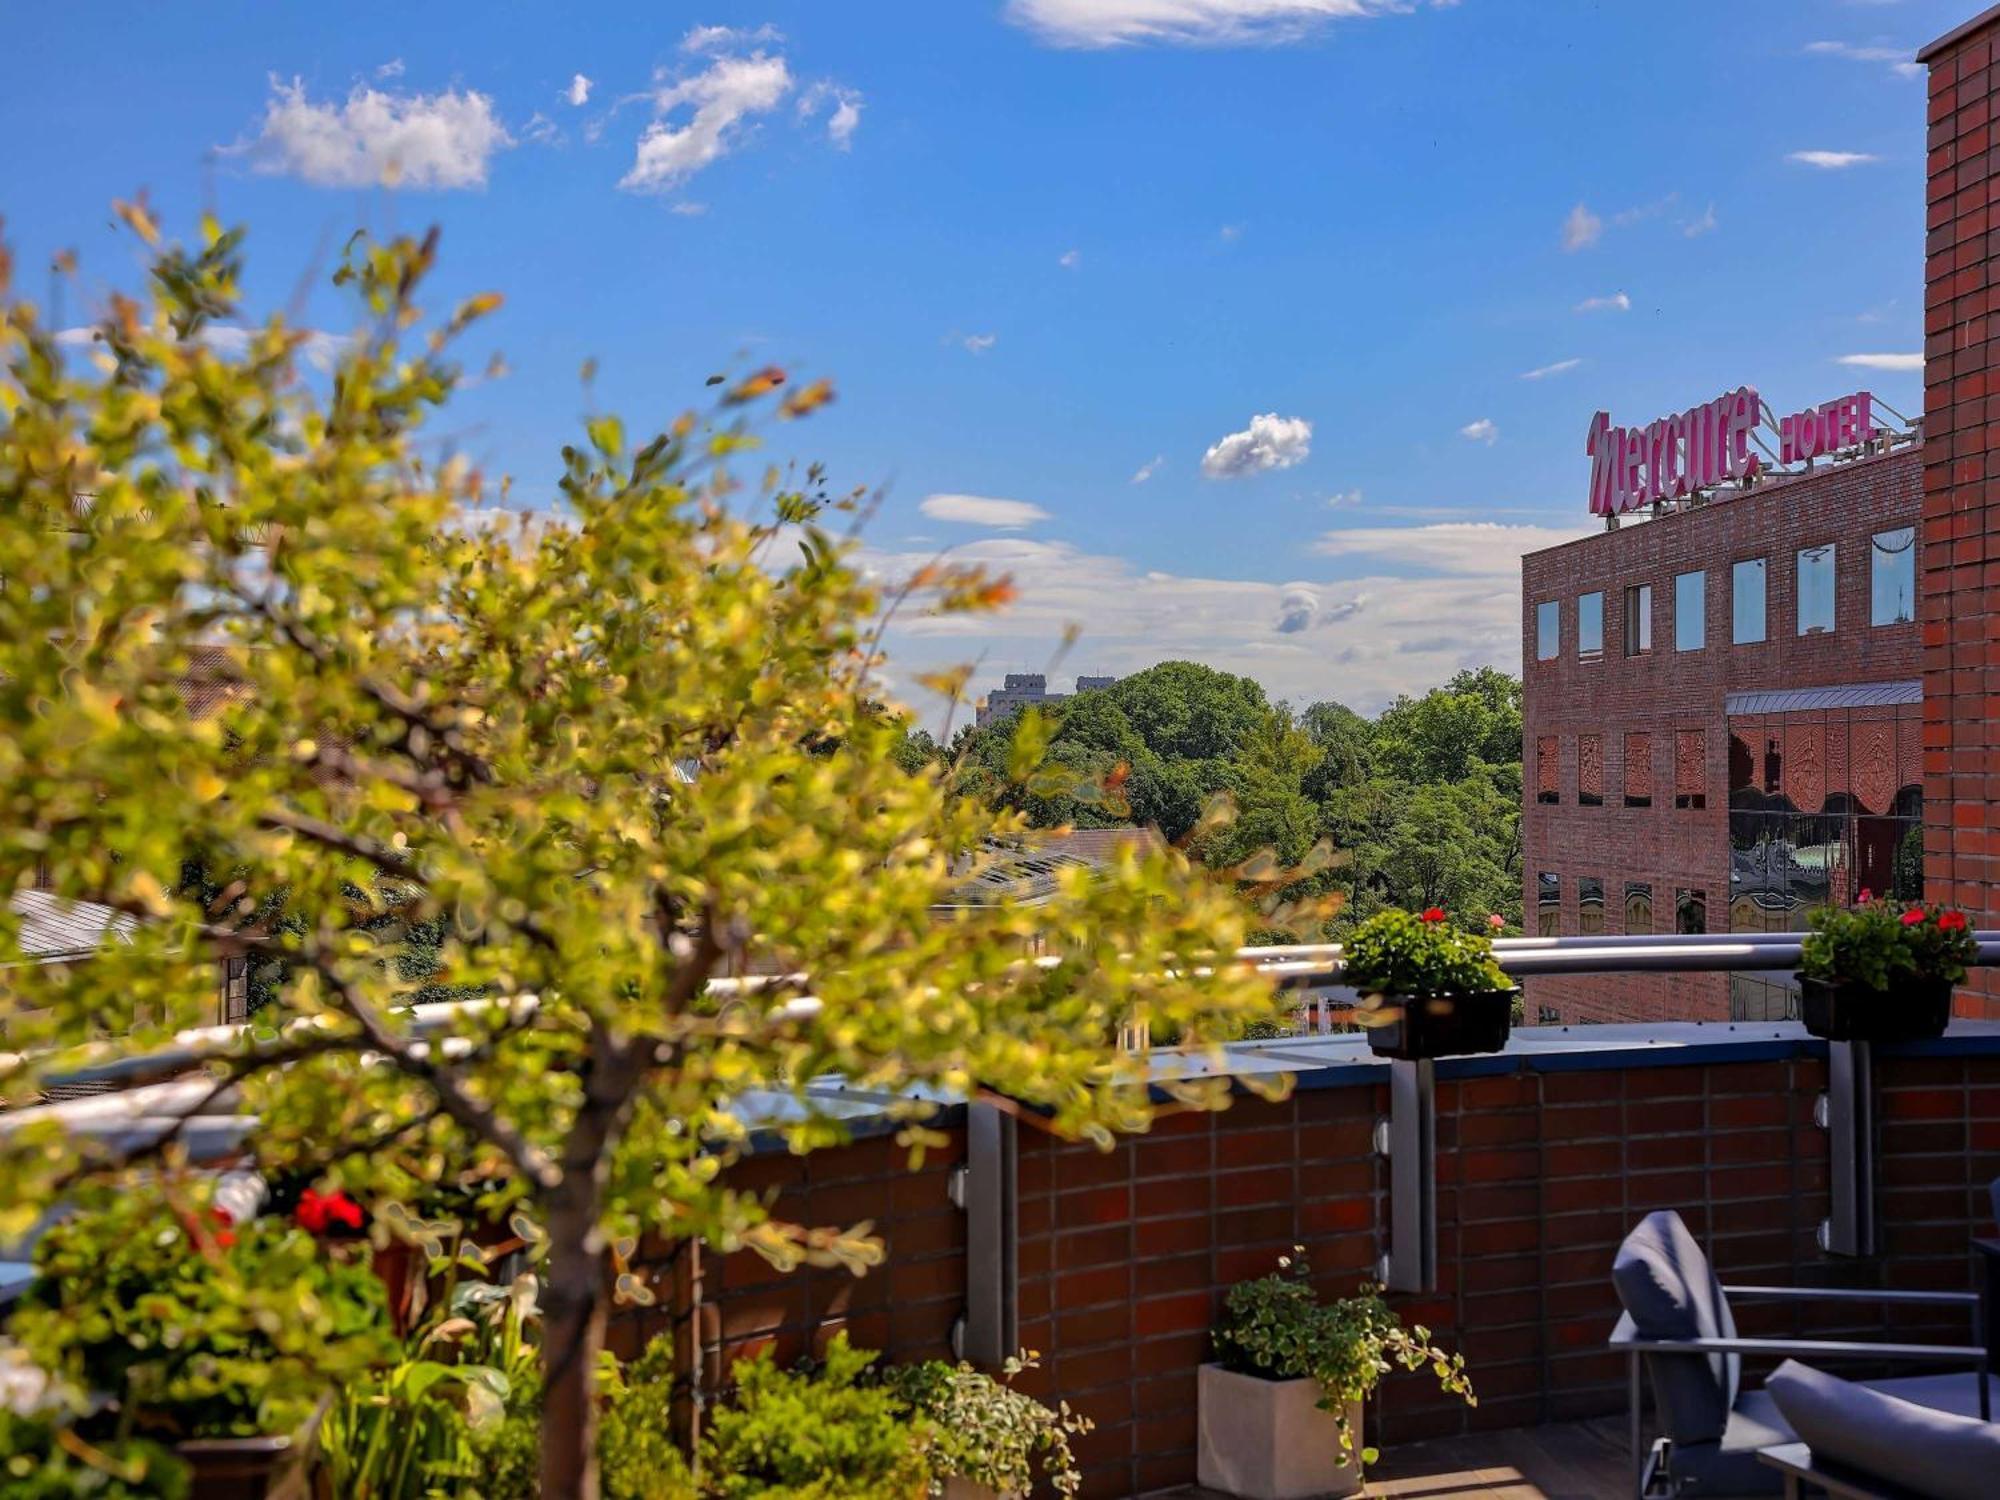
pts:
[573, 1318]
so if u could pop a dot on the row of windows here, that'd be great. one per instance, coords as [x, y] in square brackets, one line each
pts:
[1892, 600]
[1636, 789]
[1690, 909]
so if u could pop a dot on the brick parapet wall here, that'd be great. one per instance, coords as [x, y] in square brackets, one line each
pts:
[1960, 576]
[1667, 690]
[1543, 1165]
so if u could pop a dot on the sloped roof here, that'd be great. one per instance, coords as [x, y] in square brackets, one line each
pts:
[53, 928]
[1854, 695]
[1025, 872]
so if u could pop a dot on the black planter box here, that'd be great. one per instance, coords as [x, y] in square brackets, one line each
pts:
[1418, 1026]
[1910, 1011]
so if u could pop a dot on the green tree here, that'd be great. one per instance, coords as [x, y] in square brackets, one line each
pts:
[609, 751]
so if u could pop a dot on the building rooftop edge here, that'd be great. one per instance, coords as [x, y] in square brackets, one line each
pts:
[1958, 33]
[1776, 482]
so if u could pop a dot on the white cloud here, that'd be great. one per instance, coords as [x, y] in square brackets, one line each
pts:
[720, 99]
[1694, 229]
[1485, 430]
[1149, 468]
[1581, 229]
[1459, 548]
[1230, 233]
[1560, 367]
[845, 118]
[1832, 161]
[1362, 640]
[1616, 302]
[319, 348]
[980, 510]
[1201, 23]
[1069, 260]
[540, 129]
[1269, 442]
[1883, 361]
[688, 209]
[1901, 60]
[705, 39]
[977, 343]
[1343, 497]
[393, 68]
[578, 93]
[444, 140]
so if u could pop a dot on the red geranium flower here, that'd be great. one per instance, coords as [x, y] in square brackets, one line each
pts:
[1951, 921]
[1434, 914]
[1865, 897]
[1496, 921]
[1912, 918]
[318, 1212]
[225, 1236]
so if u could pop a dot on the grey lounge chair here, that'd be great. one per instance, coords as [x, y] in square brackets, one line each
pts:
[1862, 1444]
[1679, 1328]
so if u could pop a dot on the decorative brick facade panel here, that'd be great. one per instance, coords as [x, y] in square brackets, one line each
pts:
[1667, 702]
[1590, 769]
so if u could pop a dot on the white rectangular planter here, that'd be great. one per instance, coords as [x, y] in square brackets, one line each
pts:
[1269, 1440]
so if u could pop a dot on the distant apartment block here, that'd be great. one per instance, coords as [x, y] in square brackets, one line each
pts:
[1022, 688]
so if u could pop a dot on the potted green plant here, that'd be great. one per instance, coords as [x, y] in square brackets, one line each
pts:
[219, 1340]
[1882, 971]
[1280, 1406]
[990, 1439]
[1428, 988]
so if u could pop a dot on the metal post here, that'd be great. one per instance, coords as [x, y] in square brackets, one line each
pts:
[988, 1193]
[1850, 1125]
[1635, 1430]
[1412, 1175]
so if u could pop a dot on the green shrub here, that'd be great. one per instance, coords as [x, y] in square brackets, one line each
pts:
[1879, 942]
[1277, 1328]
[193, 1326]
[1402, 953]
[636, 1454]
[988, 1432]
[815, 1435]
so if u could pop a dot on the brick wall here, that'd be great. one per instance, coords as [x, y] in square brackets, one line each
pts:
[1667, 693]
[1544, 1163]
[1960, 581]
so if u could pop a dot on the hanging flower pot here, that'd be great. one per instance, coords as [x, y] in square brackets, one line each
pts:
[1417, 1026]
[1428, 989]
[1882, 972]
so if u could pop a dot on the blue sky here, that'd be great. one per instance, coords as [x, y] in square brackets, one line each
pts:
[1046, 246]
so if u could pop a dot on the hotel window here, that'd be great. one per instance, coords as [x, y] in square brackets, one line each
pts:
[1690, 911]
[1589, 626]
[1589, 904]
[1548, 904]
[1638, 619]
[1892, 576]
[1548, 630]
[1548, 769]
[1638, 770]
[1816, 577]
[1746, 600]
[1590, 770]
[1638, 906]
[1690, 768]
[1690, 611]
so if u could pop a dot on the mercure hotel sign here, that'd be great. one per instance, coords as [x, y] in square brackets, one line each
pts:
[1706, 445]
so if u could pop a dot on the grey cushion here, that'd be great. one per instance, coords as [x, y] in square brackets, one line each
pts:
[1666, 1284]
[1730, 1467]
[1932, 1452]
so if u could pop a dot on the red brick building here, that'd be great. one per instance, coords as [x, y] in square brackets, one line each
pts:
[1960, 587]
[1723, 721]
